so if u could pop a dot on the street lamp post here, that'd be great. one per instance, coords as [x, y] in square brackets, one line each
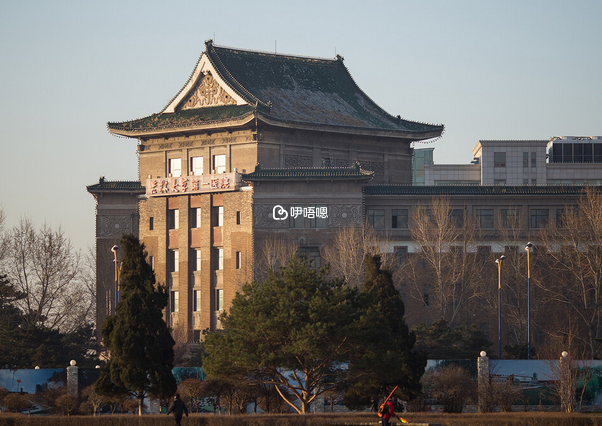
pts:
[114, 250]
[499, 301]
[528, 250]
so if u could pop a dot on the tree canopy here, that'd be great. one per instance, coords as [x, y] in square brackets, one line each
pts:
[139, 341]
[440, 341]
[307, 334]
[385, 355]
[291, 331]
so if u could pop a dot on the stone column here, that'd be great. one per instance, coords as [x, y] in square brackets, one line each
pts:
[73, 379]
[484, 383]
[566, 385]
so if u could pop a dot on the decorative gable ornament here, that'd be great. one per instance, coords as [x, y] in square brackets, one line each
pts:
[205, 88]
[208, 93]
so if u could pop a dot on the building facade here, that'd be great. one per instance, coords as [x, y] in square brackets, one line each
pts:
[252, 135]
[260, 152]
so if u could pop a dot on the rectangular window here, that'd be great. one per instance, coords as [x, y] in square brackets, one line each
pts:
[151, 223]
[238, 260]
[196, 336]
[485, 218]
[567, 152]
[173, 260]
[175, 167]
[195, 217]
[238, 218]
[399, 218]
[296, 218]
[560, 217]
[219, 299]
[314, 220]
[312, 255]
[195, 260]
[196, 165]
[457, 217]
[218, 259]
[196, 300]
[499, 182]
[175, 301]
[525, 181]
[219, 163]
[539, 218]
[400, 255]
[173, 219]
[499, 159]
[525, 160]
[151, 262]
[533, 159]
[509, 218]
[218, 216]
[376, 218]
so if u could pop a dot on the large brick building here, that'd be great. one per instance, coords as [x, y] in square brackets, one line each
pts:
[250, 131]
[259, 149]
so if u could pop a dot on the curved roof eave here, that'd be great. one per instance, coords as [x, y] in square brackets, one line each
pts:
[363, 131]
[183, 129]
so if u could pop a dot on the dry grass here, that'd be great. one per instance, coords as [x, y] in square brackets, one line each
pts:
[494, 419]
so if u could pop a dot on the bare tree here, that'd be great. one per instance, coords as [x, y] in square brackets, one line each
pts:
[44, 265]
[574, 258]
[349, 247]
[272, 253]
[445, 274]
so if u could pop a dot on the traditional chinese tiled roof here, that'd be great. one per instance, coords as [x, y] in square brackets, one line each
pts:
[119, 185]
[302, 173]
[474, 190]
[186, 118]
[282, 90]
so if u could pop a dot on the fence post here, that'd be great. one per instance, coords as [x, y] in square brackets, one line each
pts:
[484, 383]
[73, 379]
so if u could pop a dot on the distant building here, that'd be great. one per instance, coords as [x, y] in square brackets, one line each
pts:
[116, 214]
[558, 161]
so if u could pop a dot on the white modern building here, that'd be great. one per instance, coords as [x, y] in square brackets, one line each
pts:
[567, 160]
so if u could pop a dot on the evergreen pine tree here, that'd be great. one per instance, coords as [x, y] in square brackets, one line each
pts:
[139, 341]
[385, 356]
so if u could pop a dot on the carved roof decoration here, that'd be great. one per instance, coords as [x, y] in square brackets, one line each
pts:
[354, 172]
[282, 90]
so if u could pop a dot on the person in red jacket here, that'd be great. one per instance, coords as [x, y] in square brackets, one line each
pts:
[387, 412]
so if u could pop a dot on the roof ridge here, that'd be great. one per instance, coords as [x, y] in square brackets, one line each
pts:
[282, 55]
[209, 44]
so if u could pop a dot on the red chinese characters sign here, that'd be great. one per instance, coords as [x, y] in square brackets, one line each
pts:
[192, 184]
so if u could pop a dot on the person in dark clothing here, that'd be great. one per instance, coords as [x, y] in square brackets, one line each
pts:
[178, 408]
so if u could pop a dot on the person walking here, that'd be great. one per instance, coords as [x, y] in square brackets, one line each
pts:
[178, 408]
[386, 411]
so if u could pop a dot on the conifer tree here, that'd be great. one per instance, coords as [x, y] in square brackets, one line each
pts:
[139, 341]
[385, 355]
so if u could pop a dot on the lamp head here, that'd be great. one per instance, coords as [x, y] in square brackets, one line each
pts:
[115, 248]
[529, 245]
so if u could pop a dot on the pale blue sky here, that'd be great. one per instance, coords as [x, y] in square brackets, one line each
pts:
[525, 69]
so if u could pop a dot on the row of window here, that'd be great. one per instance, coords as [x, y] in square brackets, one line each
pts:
[196, 165]
[173, 260]
[174, 301]
[509, 218]
[173, 218]
[576, 153]
[499, 159]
